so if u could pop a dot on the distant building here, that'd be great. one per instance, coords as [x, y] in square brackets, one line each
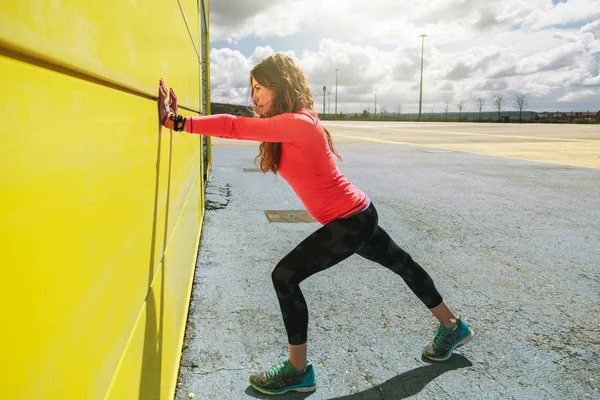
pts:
[578, 116]
[567, 116]
[546, 116]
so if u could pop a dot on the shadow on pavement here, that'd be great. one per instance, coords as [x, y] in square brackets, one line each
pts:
[399, 387]
[410, 382]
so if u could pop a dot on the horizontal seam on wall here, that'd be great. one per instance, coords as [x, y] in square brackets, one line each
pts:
[8, 50]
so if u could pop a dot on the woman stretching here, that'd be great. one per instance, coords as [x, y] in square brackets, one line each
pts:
[295, 144]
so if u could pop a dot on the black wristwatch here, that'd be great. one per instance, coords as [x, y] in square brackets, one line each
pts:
[178, 122]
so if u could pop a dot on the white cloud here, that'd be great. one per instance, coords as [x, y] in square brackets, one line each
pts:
[357, 65]
[229, 76]
[388, 21]
[579, 95]
[234, 19]
[473, 48]
[260, 53]
[593, 28]
[572, 11]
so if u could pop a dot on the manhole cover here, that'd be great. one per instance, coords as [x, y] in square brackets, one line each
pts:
[252, 170]
[292, 216]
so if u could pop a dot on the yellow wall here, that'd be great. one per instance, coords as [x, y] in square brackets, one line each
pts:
[100, 209]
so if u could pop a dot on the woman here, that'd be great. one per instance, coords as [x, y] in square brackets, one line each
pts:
[296, 145]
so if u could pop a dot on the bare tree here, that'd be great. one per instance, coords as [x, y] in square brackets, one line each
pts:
[520, 103]
[499, 104]
[480, 104]
[399, 110]
[446, 106]
[461, 104]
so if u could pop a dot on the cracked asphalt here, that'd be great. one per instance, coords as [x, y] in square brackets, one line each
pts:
[512, 245]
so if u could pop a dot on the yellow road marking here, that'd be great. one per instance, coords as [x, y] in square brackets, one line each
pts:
[493, 135]
[578, 157]
[368, 139]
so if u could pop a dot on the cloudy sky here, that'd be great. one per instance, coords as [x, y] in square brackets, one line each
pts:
[547, 49]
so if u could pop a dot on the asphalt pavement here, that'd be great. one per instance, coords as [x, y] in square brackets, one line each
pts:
[512, 245]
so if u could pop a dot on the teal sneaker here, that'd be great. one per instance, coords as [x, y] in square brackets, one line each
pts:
[284, 378]
[446, 340]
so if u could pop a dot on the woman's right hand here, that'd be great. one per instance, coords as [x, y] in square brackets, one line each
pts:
[173, 101]
[164, 108]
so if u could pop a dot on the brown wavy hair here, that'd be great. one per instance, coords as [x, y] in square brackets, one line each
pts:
[291, 94]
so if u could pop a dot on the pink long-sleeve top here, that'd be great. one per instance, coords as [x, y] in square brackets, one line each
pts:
[306, 161]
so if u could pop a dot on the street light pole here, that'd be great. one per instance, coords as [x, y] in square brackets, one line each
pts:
[336, 83]
[324, 98]
[421, 85]
[329, 106]
[375, 90]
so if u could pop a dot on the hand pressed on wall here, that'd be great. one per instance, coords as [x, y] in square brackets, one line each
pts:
[166, 106]
[163, 103]
[173, 101]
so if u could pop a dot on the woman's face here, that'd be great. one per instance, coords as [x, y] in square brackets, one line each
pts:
[262, 98]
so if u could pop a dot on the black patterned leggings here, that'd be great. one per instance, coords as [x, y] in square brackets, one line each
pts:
[332, 243]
